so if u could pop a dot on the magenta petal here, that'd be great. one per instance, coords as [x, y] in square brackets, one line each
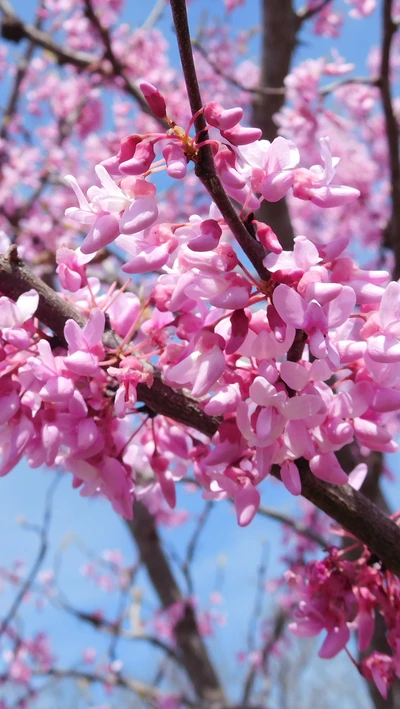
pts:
[57, 390]
[290, 305]
[168, 488]
[326, 467]
[247, 502]
[294, 375]
[103, 232]
[291, 477]
[210, 368]
[334, 642]
[384, 349]
[300, 407]
[275, 186]
[142, 213]
[333, 196]
[148, 260]
[94, 328]
[366, 625]
[82, 363]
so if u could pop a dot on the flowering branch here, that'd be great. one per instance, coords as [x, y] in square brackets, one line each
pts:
[347, 506]
[205, 167]
[16, 278]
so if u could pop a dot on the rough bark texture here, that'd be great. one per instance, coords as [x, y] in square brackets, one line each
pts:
[193, 651]
[280, 26]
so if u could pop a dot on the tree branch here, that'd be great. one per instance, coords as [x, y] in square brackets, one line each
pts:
[205, 167]
[53, 311]
[194, 654]
[347, 506]
[389, 29]
[280, 25]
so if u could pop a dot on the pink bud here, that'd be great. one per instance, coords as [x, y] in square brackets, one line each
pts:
[291, 477]
[154, 98]
[242, 136]
[208, 239]
[239, 330]
[221, 118]
[141, 160]
[267, 237]
[247, 502]
[176, 161]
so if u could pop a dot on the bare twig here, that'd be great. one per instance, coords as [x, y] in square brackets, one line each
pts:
[155, 15]
[350, 81]
[115, 630]
[279, 627]
[257, 90]
[258, 599]
[43, 533]
[297, 526]
[112, 679]
[192, 545]
[305, 13]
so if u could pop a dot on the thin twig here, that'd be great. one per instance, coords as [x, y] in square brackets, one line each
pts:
[192, 545]
[155, 15]
[258, 597]
[43, 532]
[279, 626]
[297, 526]
[305, 13]
[258, 90]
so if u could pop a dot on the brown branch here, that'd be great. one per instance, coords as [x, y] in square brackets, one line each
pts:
[192, 649]
[280, 26]
[348, 507]
[355, 513]
[389, 29]
[114, 629]
[53, 311]
[257, 90]
[193, 543]
[294, 524]
[142, 690]
[205, 167]
[307, 13]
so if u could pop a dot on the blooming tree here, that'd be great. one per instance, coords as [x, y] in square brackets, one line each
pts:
[185, 297]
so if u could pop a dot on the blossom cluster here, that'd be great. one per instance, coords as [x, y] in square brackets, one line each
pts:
[339, 595]
[260, 355]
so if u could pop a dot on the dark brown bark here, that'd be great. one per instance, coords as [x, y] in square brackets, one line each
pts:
[193, 652]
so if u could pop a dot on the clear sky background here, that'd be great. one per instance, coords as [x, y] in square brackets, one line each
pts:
[23, 491]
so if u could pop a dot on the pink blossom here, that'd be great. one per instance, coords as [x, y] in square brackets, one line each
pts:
[315, 184]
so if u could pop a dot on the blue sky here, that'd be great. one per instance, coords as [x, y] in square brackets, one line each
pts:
[23, 491]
